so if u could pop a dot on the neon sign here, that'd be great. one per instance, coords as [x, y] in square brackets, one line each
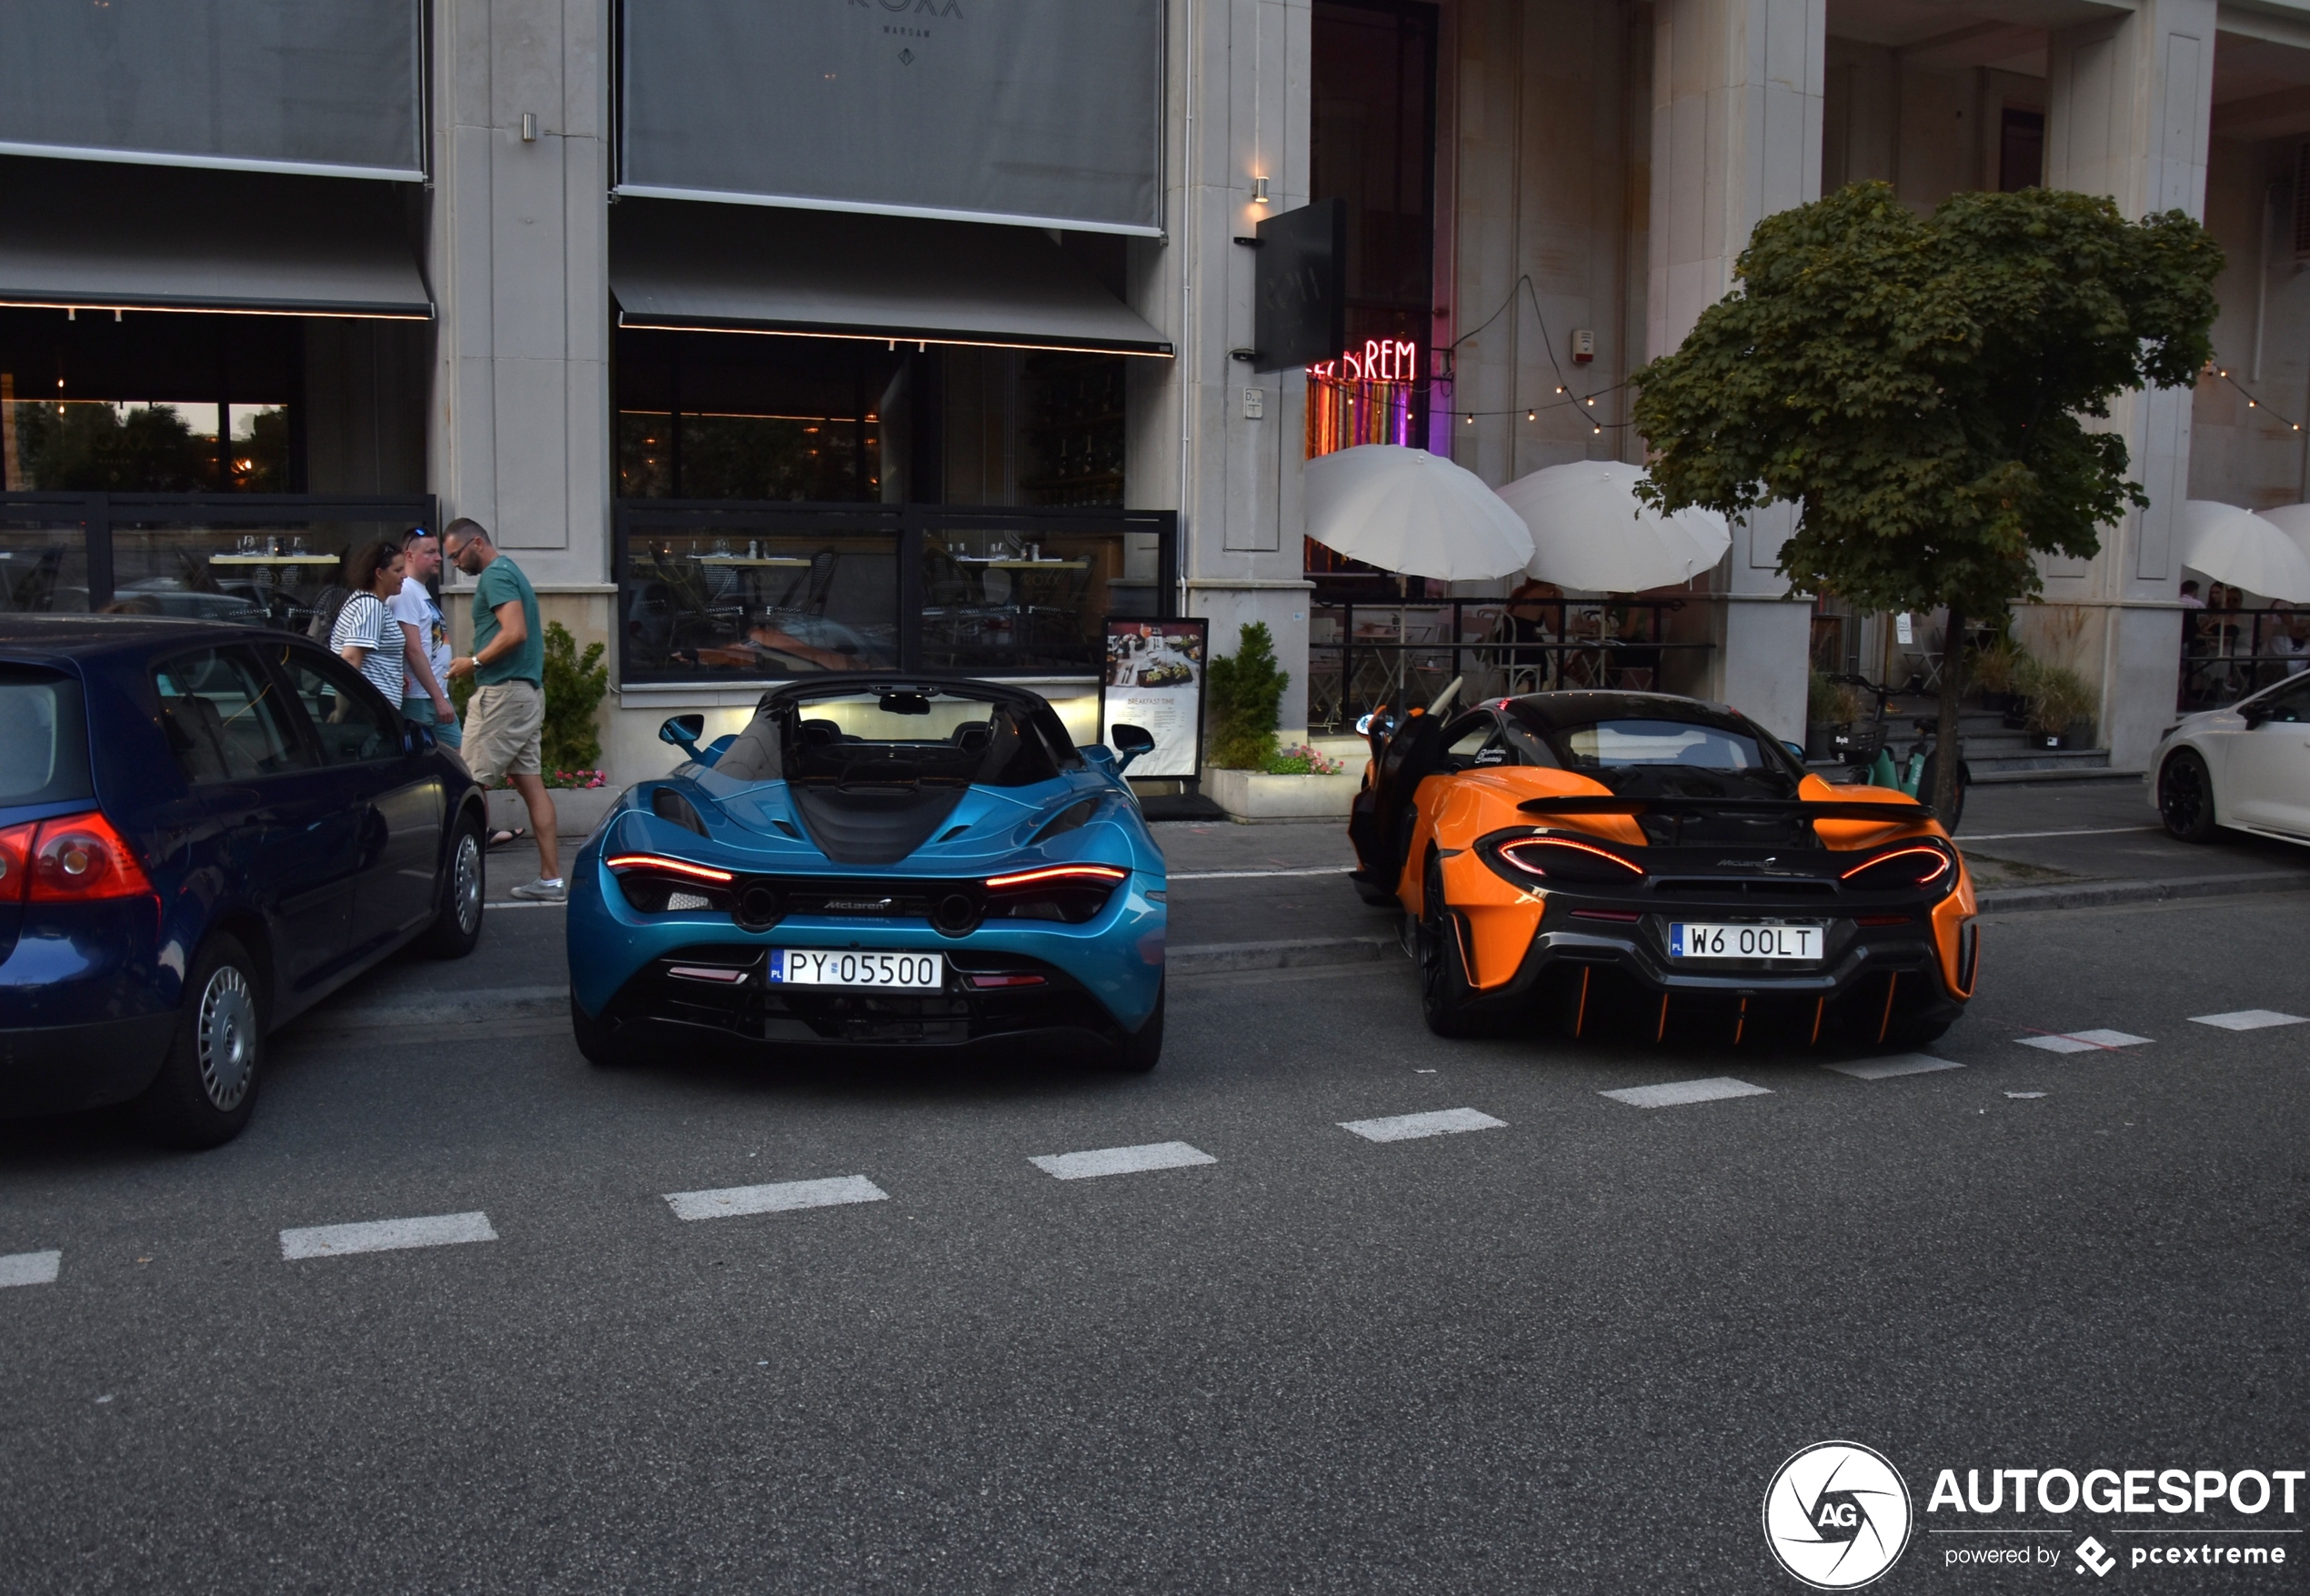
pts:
[1379, 360]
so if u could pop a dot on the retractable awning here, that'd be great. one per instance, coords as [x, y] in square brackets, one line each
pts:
[695, 266]
[101, 235]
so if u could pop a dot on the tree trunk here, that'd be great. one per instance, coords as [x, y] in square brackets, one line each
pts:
[1952, 686]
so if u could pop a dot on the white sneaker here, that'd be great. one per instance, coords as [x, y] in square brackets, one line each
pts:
[544, 892]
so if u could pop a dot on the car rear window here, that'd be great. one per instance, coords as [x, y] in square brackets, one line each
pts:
[44, 738]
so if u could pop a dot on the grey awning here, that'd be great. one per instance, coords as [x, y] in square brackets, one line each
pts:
[752, 268]
[105, 235]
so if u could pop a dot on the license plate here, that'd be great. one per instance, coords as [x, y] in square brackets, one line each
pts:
[1773, 944]
[903, 972]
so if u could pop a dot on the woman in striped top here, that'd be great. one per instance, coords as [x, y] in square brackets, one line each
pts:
[366, 634]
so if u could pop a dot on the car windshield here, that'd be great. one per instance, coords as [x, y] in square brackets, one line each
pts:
[902, 735]
[44, 738]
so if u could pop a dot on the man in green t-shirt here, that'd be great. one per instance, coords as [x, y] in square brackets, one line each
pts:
[509, 668]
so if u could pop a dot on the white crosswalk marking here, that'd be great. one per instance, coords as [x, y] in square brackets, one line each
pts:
[1677, 1093]
[2248, 1019]
[2083, 1041]
[779, 1197]
[30, 1268]
[1122, 1160]
[1407, 1127]
[385, 1235]
[1886, 1069]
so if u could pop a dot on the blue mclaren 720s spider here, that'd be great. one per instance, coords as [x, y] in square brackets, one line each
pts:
[891, 861]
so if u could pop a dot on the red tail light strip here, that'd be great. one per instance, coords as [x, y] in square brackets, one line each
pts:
[1508, 850]
[1940, 862]
[658, 861]
[1057, 873]
[1006, 980]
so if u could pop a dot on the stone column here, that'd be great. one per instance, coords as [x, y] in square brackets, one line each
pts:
[1736, 136]
[1239, 111]
[519, 424]
[2129, 117]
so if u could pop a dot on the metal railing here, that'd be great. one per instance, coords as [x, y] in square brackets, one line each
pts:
[1405, 651]
[2227, 653]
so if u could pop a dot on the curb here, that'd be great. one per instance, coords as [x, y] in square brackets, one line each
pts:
[2098, 894]
[1224, 957]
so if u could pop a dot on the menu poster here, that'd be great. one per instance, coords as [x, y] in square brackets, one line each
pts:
[1154, 679]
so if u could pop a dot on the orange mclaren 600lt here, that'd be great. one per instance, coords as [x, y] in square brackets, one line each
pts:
[1643, 863]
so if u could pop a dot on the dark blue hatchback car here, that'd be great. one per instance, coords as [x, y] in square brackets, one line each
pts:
[204, 830]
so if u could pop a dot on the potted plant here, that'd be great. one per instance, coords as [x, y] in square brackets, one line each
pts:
[1993, 669]
[1830, 706]
[2059, 702]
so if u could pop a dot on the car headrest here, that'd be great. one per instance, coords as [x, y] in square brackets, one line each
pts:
[821, 734]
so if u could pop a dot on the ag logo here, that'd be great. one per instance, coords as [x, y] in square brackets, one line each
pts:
[1837, 1515]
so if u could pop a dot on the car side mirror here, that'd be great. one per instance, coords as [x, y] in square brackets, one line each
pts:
[1796, 751]
[1130, 741]
[683, 731]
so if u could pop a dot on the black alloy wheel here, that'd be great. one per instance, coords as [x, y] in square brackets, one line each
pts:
[458, 928]
[2185, 797]
[206, 1087]
[1137, 1054]
[1445, 992]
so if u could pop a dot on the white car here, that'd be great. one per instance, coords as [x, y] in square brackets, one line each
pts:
[2246, 766]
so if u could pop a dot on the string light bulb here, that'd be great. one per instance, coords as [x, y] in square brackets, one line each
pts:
[1532, 414]
[1472, 418]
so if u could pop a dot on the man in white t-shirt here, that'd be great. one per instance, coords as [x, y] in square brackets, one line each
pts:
[427, 640]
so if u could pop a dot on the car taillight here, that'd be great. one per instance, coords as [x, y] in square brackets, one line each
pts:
[76, 858]
[664, 864]
[1562, 859]
[1918, 865]
[1072, 893]
[15, 859]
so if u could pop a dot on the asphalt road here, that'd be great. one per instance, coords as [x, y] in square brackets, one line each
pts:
[1561, 1353]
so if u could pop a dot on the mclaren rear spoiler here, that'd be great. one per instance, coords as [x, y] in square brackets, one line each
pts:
[1890, 814]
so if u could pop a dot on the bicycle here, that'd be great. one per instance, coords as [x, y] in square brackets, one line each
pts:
[1862, 745]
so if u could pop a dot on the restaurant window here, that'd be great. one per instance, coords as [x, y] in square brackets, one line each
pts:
[749, 602]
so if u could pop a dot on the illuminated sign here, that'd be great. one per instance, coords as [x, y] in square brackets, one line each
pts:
[1379, 360]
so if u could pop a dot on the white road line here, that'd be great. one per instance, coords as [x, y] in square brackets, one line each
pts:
[779, 1197]
[1407, 1127]
[2248, 1019]
[2021, 836]
[1677, 1093]
[385, 1235]
[30, 1268]
[1244, 875]
[2024, 1094]
[2083, 1041]
[1899, 1064]
[1122, 1160]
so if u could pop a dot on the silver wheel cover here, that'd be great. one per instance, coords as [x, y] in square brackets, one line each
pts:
[226, 1036]
[465, 883]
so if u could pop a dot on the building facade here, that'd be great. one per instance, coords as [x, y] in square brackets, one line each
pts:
[911, 332]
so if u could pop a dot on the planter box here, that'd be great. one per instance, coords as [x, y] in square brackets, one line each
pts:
[1250, 795]
[2079, 734]
[577, 810]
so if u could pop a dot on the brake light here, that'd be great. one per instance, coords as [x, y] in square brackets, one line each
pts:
[1562, 857]
[77, 859]
[1054, 873]
[1916, 866]
[15, 861]
[985, 981]
[658, 861]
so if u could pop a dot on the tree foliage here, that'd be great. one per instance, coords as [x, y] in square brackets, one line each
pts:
[1923, 387]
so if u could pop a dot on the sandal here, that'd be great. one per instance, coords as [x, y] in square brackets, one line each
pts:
[498, 840]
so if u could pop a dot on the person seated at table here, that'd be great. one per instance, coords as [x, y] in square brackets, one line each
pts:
[1636, 663]
[1530, 608]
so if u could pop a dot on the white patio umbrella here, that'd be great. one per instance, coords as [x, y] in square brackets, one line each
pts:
[1409, 511]
[2237, 546]
[2293, 520]
[1590, 530]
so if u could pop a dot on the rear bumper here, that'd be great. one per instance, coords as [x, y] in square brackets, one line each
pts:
[61, 1068]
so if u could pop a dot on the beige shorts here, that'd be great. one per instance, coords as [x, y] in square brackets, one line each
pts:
[501, 732]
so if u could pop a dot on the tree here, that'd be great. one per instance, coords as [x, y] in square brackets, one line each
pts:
[1921, 387]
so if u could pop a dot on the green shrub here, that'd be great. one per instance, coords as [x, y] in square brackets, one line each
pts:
[1830, 703]
[1996, 665]
[574, 686]
[1245, 692]
[2058, 696]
